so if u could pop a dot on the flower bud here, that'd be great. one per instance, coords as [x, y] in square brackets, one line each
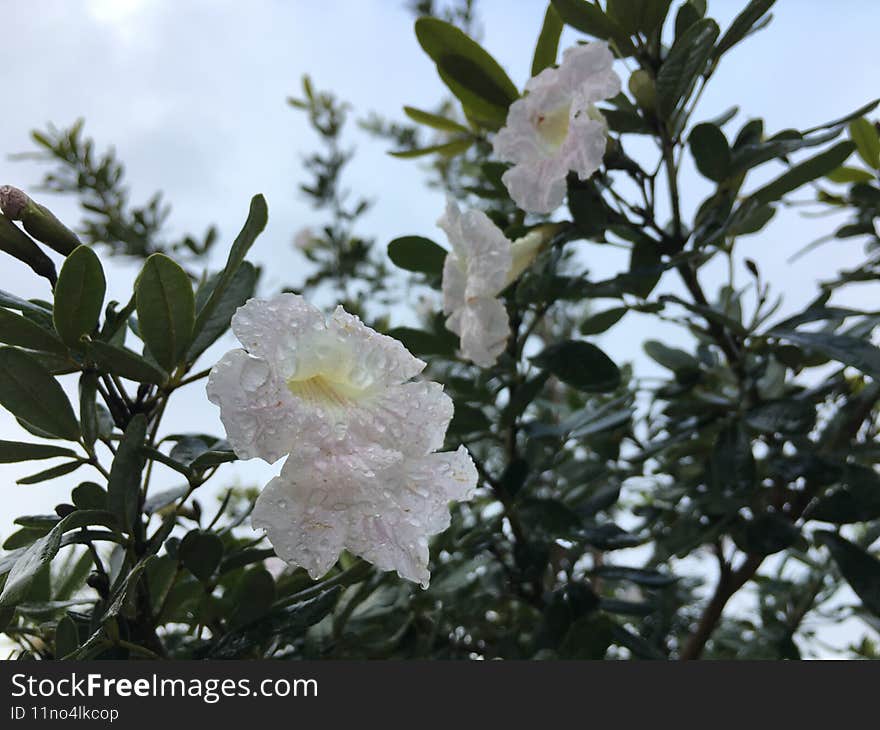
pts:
[527, 248]
[18, 244]
[37, 220]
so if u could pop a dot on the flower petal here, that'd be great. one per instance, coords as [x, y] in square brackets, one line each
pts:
[485, 329]
[255, 406]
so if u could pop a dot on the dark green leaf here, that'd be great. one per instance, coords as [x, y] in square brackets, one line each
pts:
[88, 407]
[581, 365]
[602, 321]
[635, 16]
[53, 473]
[733, 463]
[640, 576]
[804, 172]
[125, 363]
[212, 458]
[253, 226]
[471, 74]
[89, 496]
[710, 150]
[685, 63]
[66, 637]
[31, 394]
[678, 361]
[742, 24]
[856, 500]
[123, 487]
[588, 18]
[201, 553]
[79, 296]
[766, 534]
[14, 451]
[422, 342]
[783, 416]
[415, 253]
[166, 310]
[252, 597]
[548, 41]
[24, 332]
[858, 353]
[240, 289]
[861, 570]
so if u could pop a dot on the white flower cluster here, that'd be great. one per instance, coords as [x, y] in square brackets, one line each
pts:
[555, 128]
[338, 399]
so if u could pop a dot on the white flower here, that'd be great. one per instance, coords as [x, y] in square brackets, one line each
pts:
[338, 397]
[556, 128]
[482, 263]
[474, 274]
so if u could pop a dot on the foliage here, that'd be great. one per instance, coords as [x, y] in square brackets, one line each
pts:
[617, 516]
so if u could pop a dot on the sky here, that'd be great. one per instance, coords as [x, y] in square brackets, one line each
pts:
[191, 93]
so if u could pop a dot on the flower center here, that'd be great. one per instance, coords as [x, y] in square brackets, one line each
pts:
[321, 390]
[552, 125]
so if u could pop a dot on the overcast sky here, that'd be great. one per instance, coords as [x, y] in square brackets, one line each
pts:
[192, 95]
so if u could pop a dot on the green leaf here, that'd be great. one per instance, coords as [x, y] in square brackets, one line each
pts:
[66, 637]
[201, 553]
[635, 16]
[640, 576]
[447, 149]
[435, 121]
[31, 394]
[79, 296]
[53, 473]
[125, 363]
[783, 416]
[685, 63]
[867, 141]
[40, 553]
[766, 534]
[252, 597]
[804, 172]
[24, 332]
[588, 18]
[843, 175]
[212, 458]
[19, 245]
[416, 253]
[14, 451]
[645, 267]
[258, 215]
[710, 150]
[733, 463]
[857, 499]
[10, 301]
[742, 24]
[240, 289]
[548, 41]
[602, 321]
[671, 358]
[858, 353]
[421, 342]
[89, 496]
[471, 74]
[166, 310]
[581, 365]
[861, 570]
[88, 407]
[123, 486]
